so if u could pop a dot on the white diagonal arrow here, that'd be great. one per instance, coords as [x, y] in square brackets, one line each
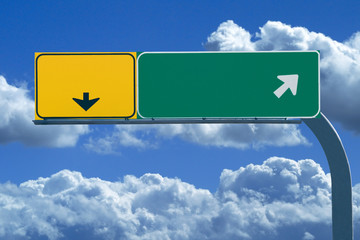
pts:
[290, 81]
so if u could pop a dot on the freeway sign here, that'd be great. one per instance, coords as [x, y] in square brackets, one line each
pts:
[228, 84]
[85, 85]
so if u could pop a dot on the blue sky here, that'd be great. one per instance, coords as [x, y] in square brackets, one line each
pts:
[50, 164]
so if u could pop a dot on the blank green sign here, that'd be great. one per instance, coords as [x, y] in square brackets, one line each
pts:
[228, 84]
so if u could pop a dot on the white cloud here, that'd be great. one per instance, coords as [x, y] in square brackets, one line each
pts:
[340, 84]
[240, 136]
[340, 62]
[226, 38]
[236, 136]
[279, 199]
[17, 113]
[136, 136]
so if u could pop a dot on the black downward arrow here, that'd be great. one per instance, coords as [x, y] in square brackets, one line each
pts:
[85, 103]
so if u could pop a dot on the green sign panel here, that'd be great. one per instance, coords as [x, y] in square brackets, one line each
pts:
[228, 84]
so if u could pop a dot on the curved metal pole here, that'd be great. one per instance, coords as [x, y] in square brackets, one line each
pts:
[341, 188]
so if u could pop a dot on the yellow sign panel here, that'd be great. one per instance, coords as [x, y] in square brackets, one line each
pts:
[85, 85]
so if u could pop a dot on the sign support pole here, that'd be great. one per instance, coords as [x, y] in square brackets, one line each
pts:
[341, 188]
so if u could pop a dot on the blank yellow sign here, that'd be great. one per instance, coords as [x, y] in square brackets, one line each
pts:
[85, 85]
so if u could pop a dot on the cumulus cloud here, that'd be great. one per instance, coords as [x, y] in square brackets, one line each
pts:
[140, 137]
[340, 84]
[339, 63]
[240, 136]
[279, 199]
[17, 113]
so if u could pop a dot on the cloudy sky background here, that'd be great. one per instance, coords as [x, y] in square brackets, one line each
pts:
[173, 181]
